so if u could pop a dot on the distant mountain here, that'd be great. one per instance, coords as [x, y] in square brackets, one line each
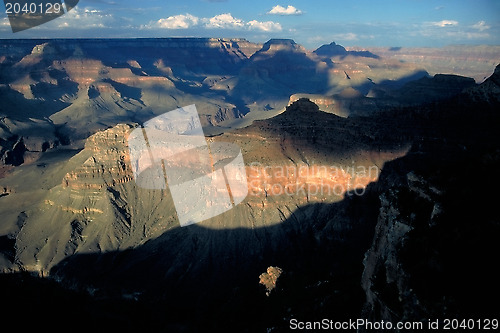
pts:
[334, 50]
[331, 50]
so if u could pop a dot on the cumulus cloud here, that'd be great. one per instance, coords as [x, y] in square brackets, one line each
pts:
[481, 26]
[280, 10]
[224, 21]
[445, 23]
[177, 22]
[221, 21]
[264, 26]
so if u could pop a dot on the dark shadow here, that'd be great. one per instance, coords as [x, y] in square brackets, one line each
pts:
[126, 92]
[208, 279]
[279, 73]
[54, 92]
[430, 89]
[194, 278]
[93, 92]
[416, 89]
[394, 84]
[386, 95]
[364, 54]
[7, 243]
[193, 54]
[32, 108]
[390, 85]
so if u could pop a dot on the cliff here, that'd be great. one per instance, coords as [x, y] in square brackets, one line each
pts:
[435, 236]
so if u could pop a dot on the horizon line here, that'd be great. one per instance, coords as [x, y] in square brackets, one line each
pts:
[239, 39]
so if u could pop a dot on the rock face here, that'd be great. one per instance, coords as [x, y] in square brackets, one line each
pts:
[434, 240]
[96, 207]
[435, 236]
[108, 165]
[269, 278]
[489, 90]
[313, 154]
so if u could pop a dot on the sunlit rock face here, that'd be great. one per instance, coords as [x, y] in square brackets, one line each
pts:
[307, 159]
[108, 164]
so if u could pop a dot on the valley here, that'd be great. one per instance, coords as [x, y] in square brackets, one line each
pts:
[361, 169]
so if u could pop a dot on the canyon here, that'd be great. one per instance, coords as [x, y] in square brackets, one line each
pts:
[364, 199]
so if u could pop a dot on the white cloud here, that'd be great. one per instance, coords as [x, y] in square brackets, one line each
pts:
[224, 21]
[221, 21]
[445, 23]
[264, 26]
[280, 10]
[177, 22]
[83, 19]
[481, 26]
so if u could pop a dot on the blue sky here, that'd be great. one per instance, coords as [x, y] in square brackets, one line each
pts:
[311, 23]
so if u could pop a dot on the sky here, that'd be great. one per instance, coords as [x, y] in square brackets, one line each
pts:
[403, 23]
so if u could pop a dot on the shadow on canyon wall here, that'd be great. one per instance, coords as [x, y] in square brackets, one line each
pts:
[420, 244]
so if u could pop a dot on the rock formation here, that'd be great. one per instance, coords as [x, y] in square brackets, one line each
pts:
[270, 278]
[417, 242]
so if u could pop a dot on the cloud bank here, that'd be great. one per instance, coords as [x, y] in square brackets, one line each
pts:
[221, 21]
